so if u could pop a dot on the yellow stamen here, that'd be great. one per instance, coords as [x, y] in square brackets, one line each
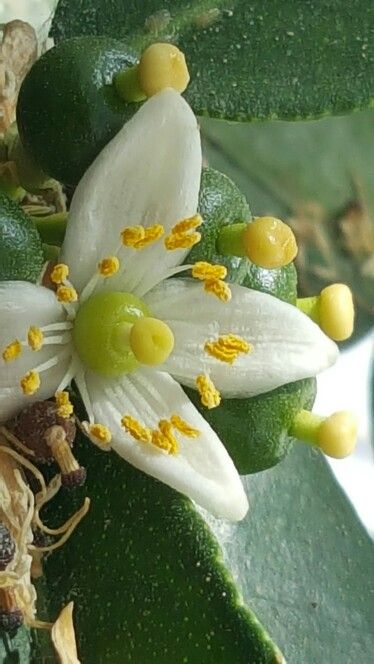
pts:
[30, 383]
[102, 434]
[64, 407]
[152, 234]
[164, 439]
[218, 288]
[66, 294]
[131, 235]
[227, 348]
[59, 273]
[210, 396]
[35, 338]
[136, 430]
[139, 237]
[208, 272]
[166, 429]
[12, 351]
[183, 427]
[186, 225]
[181, 240]
[109, 266]
[161, 441]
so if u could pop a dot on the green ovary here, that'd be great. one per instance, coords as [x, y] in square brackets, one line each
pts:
[101, 332]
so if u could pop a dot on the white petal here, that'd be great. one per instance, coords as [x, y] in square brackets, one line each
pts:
[202, 469]
[287, 345]
[149, 173]
[21, 305]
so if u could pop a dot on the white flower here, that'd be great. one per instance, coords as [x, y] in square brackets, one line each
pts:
[150, 174]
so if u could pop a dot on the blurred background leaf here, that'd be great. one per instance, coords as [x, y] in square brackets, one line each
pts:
[304, 562]
[319, 177]
[280, 58]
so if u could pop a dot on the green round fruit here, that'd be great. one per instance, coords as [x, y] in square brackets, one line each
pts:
[21, 252]
[68, 108]
[255, 430]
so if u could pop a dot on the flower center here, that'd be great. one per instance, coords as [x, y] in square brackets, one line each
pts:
[113, 334]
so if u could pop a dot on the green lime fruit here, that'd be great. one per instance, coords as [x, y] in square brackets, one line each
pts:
[68, 108]
[21, 252]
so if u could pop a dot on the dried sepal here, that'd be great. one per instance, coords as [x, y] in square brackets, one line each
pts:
[16, 512]
[19, 50]
[63, 637]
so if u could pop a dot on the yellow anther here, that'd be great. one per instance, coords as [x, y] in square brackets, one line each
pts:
[131, 235]
[151, 234]
[183, 427]
[337, 434]
[66, 294]
[163, 437]
[35, 338]
[12, 351]
[139, 237]
[136, 430]
[181, 240]
[336, 311]
[158, 439]
[162, 66]
[166, 429]
[64, 406]
[151, 341]
[210, 396]
[269, 243]
[101, 433]
[59, 273]
[218, 288]
[109, 266]
[227, 348]
[30, 383]
[188, 224]
[208, 272]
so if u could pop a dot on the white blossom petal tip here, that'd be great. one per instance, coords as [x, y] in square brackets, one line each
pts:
[283, 344]
[154, 403]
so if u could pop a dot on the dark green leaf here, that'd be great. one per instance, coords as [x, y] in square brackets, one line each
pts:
[319, 177]
[147, 578]
[282, 58]
[305, 563]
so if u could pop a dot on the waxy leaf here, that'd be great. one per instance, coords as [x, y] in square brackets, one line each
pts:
[147, 578]
[275, 59]
[305, 562]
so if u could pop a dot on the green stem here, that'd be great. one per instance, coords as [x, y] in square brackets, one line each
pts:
[305, 427]
[52, 228]
[230, 240]
[127, 85]
[310, 307]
